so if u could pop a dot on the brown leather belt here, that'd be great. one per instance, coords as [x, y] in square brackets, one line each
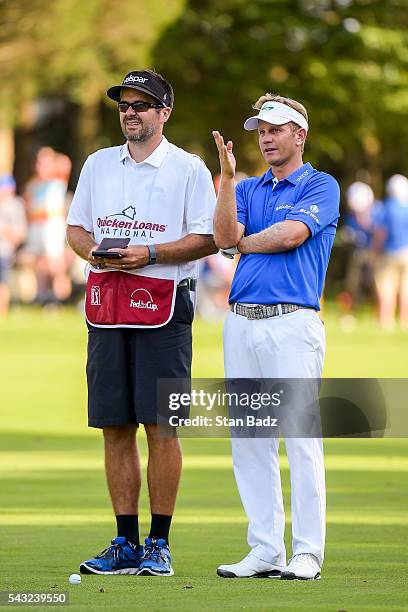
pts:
[264, 311]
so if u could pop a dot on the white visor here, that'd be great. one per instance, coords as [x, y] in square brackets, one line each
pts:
[277, 114]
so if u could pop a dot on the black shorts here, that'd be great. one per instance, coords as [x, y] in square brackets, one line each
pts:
[124, 366]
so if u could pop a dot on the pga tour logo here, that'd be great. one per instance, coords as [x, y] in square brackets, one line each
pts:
[141, 298]
[95, 295]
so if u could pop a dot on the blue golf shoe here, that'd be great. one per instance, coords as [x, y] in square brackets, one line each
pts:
[156, 560]
[121, 557]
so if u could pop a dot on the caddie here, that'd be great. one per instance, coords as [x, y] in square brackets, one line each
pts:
[283, 223]
[160, 201]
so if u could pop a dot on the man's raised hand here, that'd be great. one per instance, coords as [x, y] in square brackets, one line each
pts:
[227, 159]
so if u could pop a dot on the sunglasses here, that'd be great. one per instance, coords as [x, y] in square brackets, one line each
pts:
[138, 107]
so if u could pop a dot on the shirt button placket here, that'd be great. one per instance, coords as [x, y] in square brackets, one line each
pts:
[270, 208]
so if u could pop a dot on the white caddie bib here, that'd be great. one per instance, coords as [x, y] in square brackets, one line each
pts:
[141, 298]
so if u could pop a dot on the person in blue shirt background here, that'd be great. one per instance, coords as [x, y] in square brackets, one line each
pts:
[391, 240]
[283, 224]
[358, 232]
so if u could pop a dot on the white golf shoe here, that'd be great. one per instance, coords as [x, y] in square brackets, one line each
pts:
[302, 567]
[250, 567]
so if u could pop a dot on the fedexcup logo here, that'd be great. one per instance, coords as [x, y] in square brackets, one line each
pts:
[141, 298]
[314, 209]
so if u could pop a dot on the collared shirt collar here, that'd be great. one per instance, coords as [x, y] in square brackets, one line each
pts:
[155, 159]
[293, 178]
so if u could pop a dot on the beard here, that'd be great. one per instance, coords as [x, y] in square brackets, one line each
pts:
[143, 135]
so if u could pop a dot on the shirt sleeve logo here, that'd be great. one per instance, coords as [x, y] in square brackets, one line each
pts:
[311, 212]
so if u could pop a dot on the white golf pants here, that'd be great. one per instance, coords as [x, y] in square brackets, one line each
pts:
[286, 346]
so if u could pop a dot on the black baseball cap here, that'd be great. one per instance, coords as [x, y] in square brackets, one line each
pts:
[142, 81]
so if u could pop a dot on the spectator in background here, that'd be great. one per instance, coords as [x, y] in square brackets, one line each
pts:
[12, 233]
[391, 240]
[45, 198]
[358, 232]
[216, 273]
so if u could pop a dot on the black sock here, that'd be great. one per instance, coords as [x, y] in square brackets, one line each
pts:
[160, 527]
[128, 527]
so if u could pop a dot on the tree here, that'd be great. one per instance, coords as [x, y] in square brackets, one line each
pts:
[73, 50]
[346, 60]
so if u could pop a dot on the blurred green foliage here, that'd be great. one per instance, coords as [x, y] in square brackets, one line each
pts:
[75, 48]
[346, 60]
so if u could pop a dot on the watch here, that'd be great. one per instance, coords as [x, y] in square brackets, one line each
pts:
[152, 254]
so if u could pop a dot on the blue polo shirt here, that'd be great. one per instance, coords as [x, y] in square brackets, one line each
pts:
[295, 276]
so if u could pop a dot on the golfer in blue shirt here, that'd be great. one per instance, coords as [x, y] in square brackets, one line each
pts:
[283, 224]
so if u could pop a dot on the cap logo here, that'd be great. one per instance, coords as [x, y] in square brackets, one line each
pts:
[134, 79]
[276, 112]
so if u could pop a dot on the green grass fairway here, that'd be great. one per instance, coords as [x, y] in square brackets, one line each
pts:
[55, 511]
